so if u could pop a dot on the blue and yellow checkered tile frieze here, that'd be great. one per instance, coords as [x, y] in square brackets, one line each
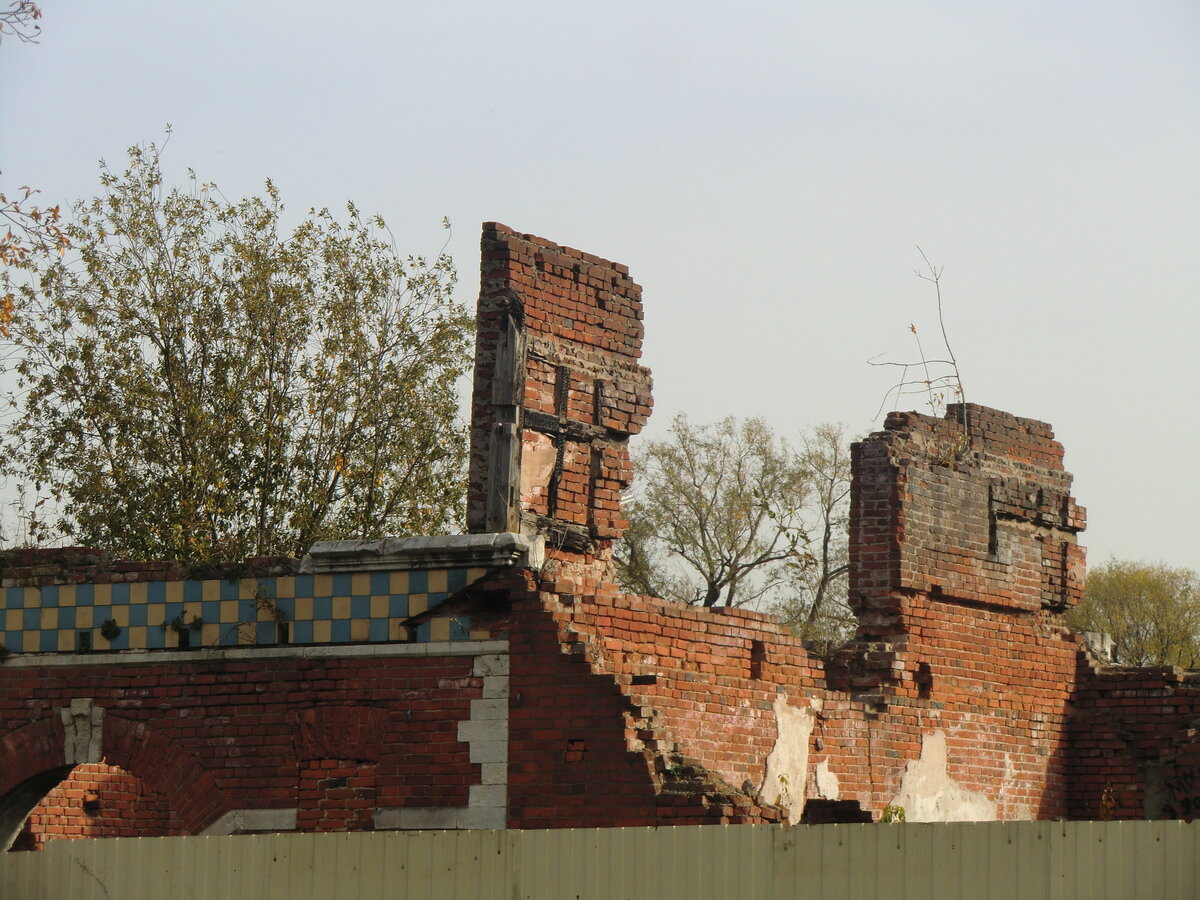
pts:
[358, 607]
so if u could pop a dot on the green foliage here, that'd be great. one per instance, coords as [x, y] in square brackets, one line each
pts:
[892, 814]
[725, 500]
[198, 383]
[179, 624]
[815, 603]
[26, 229]
[1151, 611]
[723, 515]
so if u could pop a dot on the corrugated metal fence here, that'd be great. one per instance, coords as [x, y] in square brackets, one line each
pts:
[1025, 860]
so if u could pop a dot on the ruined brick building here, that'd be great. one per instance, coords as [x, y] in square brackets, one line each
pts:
[499, 679]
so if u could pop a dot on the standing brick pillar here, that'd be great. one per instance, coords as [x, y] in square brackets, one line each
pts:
[975, 508]
[558, 391]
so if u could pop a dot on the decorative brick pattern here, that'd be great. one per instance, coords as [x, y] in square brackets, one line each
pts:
[296, 609]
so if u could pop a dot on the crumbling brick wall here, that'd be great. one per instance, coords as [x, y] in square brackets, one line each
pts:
[953, 698]
[99, 800]
[974, 507]
[558, 391]
[964, 558]
[963, 695]
[602, 736]
[1134, 743]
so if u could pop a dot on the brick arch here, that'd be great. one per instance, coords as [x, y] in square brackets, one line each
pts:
[31, 750]
[32, 762]
[169, 768]
[339, 732]
[339, 748]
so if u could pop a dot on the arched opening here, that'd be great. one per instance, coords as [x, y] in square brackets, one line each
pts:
[20, 801]
[87, 801]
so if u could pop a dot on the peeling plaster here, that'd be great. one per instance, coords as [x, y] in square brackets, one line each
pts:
[1008, 787]
[827, 782]
[538, 455]
[787, 765]
[929, 794]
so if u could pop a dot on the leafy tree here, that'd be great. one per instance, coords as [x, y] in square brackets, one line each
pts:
[197, 382]
[1151, 611]
[815, 603]
[723, 515]
[28, 228]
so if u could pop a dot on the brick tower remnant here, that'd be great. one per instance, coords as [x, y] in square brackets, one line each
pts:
[973, 508]
[558, 391]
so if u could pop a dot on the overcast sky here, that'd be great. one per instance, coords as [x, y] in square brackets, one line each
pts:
[766, 171]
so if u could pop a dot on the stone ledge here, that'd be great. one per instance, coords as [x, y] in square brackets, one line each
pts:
[290, 651]
[492, 551]
[243, 820]
[440, 818]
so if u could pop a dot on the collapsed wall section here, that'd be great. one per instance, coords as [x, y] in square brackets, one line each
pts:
[952, 698]
[558, 391]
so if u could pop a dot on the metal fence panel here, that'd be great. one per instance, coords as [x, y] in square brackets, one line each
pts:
[956, 861]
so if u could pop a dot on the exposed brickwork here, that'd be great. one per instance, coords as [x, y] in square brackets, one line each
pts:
[88, 565]
[1134, 744]
[584, 752]
[963, 696]
[961, 636]
[981, 515]
[558, 389]
[337, 795]
[212, 736]
[99, 800]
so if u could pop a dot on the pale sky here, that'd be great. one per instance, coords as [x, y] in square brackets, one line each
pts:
[765, 171]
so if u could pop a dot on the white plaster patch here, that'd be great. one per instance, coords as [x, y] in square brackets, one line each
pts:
[538, 456]
[787, 764]
[827, 783]
[929, 794]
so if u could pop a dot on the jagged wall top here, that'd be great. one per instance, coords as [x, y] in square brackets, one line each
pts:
[558, 390]
[975, 506]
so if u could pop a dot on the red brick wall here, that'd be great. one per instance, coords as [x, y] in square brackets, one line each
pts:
[963, 557]
[568, 761]
[214, 735]
[982, 515]
[630, 711]
[1134, 751]
[574, 391]
[952, 539]
[701, 685]
[99, 800]
[581, 752]
[337, 795]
